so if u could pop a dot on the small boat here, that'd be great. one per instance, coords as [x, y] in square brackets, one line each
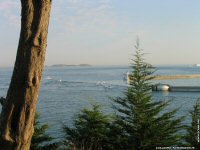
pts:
[197, 65]
[161, 87]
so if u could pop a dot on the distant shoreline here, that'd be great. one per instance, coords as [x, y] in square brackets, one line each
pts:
[64, 65]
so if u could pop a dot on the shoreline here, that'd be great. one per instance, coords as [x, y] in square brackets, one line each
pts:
[177, 77]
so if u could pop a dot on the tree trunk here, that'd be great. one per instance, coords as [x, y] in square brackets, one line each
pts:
[18, 108]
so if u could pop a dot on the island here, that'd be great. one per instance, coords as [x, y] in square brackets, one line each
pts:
[64, 65]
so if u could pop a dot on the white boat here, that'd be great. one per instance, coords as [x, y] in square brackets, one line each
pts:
[197, 65]
[161, 87]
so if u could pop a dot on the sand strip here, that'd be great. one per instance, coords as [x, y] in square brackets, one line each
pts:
[177, 77]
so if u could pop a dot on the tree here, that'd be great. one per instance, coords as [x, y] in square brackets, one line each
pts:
[18, 108]
[192, 137]
[40, 140]
[143, 123]
[89, 132]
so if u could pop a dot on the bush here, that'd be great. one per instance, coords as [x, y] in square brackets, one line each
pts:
[41, 140]
[192, 137]
[89, 132]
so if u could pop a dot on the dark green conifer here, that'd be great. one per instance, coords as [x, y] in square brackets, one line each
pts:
[89, 131]
[192, 137]
[41, 140]
[142, 123]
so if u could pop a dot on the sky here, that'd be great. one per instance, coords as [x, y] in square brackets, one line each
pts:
[103, 32]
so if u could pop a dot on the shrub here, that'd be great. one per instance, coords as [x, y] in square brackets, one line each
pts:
[192, 137]
[41, 140]
[90, 130]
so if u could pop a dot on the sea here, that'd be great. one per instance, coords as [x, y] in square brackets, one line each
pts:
[66, 90]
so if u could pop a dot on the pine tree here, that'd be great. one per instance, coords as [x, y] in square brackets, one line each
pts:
[143, 123]
[41, 140]
[192, 137]
[89, 131]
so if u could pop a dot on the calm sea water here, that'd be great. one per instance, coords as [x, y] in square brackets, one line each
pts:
[66, 90]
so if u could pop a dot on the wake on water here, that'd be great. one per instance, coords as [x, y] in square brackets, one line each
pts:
[51, 81]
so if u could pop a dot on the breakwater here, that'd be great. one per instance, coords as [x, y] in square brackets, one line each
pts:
[166, 87]
[185, 88]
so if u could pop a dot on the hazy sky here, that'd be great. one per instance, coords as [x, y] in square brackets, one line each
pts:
[103, 32]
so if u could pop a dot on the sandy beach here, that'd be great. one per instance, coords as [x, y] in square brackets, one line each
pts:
[177, 77]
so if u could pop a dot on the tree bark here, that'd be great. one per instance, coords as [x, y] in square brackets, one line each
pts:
[19, 106]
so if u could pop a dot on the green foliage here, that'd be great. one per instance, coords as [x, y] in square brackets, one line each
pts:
[142, 123]
[90, 130]
[192, 137]
[41, 140]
